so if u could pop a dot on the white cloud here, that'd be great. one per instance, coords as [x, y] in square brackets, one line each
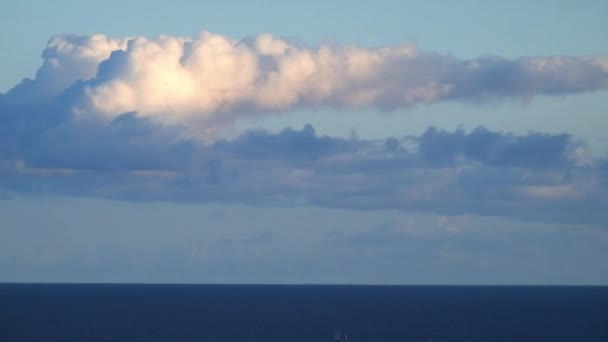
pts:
[117, 118]
[70, 58]
[209, 80]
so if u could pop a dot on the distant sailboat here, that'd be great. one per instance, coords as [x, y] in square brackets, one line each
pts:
[340, 337]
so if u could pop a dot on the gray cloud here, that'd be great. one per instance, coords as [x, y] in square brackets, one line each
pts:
[534, 176]
[535, 150]
[138, 119]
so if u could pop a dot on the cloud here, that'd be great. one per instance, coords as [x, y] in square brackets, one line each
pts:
[140, 119]
[209, 80]
[66, 60]
[135, 159]
[535, 150]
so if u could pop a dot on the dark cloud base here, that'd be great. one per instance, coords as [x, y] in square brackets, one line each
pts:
[535, 176]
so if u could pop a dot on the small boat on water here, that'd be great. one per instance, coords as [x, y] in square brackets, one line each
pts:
[340, 336]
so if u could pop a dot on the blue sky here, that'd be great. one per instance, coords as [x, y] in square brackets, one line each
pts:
[304, 173]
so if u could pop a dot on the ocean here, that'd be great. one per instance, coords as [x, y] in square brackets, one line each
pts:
[95, 312]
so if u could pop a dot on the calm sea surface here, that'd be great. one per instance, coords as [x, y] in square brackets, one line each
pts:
[301, 313]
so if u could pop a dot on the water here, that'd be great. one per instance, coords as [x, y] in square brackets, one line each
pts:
[301, 313]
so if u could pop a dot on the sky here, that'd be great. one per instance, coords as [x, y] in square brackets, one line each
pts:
[385, 142]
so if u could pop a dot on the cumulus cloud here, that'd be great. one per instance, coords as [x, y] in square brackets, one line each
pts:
[209, 80]
[535, 150]
[66, 60]
[137, 118]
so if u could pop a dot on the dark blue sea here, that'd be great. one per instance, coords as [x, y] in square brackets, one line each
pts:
[71, 312]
